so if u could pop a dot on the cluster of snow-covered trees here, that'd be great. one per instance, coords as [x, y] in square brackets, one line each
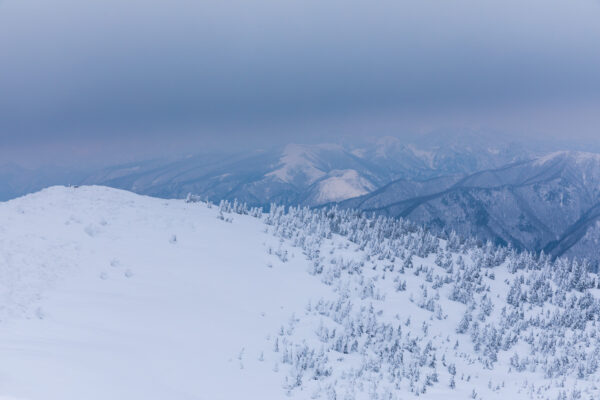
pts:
[411, 311]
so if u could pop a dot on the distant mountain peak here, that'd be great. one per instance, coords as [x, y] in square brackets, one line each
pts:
[578, 157]
[340, 185]
[298, 162]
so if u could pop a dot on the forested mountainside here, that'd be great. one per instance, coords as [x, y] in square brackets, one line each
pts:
[549, 203]
[299, 302]
[518, 308]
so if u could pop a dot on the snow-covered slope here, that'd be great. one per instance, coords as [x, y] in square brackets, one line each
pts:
[110, 295]
[324, 173]
[339, 185]
[300, 163]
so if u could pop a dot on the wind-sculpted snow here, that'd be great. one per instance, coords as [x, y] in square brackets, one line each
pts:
[131, 297]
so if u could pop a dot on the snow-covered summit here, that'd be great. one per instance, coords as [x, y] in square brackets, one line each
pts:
[300, 162]
[341, 185]
[106, 294]
[326, 171]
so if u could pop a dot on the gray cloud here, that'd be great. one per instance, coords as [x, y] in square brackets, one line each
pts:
[83, 73]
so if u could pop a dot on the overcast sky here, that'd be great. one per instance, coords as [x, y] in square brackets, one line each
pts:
[132, 78]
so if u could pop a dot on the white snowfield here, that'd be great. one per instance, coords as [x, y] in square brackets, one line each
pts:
[100, 301]
[105, 294]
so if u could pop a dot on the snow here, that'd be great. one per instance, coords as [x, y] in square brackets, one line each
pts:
[578, 157]
[97, 303]
[342, 185]
[299, 160]
[427, 156]
[302, 165]
[110, 295]
[360, 153]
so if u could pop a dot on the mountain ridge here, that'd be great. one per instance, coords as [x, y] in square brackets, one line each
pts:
[566, 182]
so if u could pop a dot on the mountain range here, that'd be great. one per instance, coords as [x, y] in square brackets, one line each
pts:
[477, 185]
[550, 203]
[309, 175]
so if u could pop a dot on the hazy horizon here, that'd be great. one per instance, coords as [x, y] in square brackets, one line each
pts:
[99, 82]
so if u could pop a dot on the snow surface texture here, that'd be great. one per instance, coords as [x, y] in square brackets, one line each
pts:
[110, 295]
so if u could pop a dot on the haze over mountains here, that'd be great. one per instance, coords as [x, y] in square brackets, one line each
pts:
[300, 199]
[312, 174]
[477, 185]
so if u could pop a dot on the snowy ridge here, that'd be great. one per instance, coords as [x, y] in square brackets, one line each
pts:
[427, 156]
[578, 157]
[292, 174]
[545, 204]
[299, 159]
[313, 167]
[226, 302]
[150, 298]
[341, 185]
